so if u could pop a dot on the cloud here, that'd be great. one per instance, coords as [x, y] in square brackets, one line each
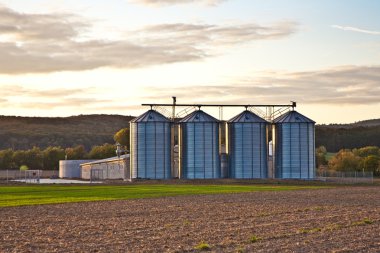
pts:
[69, 99]
[335, 86]
[64, 102]
[20, 91]
[38, 43]
[348, 85]
[217, 35]
[21, 97]
[174, 2]
[354, 29]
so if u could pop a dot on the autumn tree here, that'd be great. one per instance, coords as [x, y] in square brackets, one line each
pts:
[345, 160]
[6, 159]
[34, 158]
[122, 137]
[104, 151]
[76, 153]
[367, 151]
[19, 158]
[371, 163]
[52, 155]
[320, 155]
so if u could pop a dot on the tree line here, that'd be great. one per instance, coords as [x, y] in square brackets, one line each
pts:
[335, 138]
[23, 133]
[357, 159]
[48, 158]
[366, 159]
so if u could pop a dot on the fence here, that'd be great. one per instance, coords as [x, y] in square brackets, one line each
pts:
[350, 177]
[18, 174]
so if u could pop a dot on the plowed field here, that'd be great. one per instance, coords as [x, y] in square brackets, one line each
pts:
[340, 219]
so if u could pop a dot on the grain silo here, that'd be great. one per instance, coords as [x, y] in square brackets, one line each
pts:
[247, 148]
[199, 146]
[150, 149]
[294, 146]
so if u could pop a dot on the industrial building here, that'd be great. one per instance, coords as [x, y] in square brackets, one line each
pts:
[71, 168]
[110, 168]
[294, 146]
[247, 146]
[199, 146]
[151, 150]
[252, 149]
[277, 142]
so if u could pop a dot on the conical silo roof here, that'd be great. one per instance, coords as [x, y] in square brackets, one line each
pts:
[198, 116]
[293, 117]
[150, 116]
[247, 117]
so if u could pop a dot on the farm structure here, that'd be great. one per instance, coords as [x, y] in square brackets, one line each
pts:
[110, 168]
[150, 146]
[198, 146]
[241, 151]
[294, 146]
[277, 142]
[247, 146]
[71, 168]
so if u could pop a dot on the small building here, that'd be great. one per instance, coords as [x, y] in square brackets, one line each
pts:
[71, 168]
[109, 168]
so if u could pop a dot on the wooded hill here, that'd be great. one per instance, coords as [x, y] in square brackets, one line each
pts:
[90, 130]
[348, 136]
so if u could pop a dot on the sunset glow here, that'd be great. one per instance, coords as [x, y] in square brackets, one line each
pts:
[62, 58]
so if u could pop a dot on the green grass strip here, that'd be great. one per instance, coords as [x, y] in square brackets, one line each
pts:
[54, 194]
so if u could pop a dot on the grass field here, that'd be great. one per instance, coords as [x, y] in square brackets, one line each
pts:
[53, 194]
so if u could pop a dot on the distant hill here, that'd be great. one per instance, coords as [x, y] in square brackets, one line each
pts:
[338, 136]
[88, 130]
[364, 123]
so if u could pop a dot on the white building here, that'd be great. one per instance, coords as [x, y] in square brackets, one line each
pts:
[109, 168]
[71, 168]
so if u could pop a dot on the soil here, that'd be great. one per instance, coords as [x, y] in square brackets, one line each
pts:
[340, 219]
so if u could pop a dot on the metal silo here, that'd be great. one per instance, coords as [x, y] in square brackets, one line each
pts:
[247, 148]
[294, 146]
[199, 146]
[150, 149]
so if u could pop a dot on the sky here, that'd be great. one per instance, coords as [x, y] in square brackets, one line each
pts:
[71, 57]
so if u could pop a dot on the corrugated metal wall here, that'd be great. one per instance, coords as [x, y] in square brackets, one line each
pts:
[295, 149]
[199, 148]
[150, 147]
[247, 150]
